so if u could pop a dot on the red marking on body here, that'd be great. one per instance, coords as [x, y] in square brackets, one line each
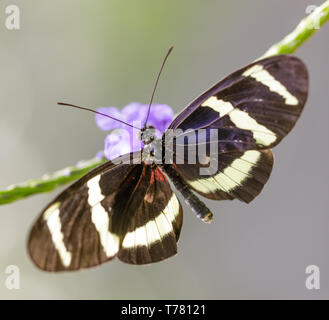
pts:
[157, 175]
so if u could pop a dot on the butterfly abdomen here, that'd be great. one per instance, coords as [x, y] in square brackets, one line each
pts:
[197, 206]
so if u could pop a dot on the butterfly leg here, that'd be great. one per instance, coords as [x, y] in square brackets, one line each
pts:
[197, 206]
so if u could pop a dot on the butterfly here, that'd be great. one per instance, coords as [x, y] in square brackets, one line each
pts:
[127, 209]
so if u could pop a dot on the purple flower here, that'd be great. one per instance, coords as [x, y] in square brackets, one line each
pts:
[124, 139]
[116, 144]
[105, 123]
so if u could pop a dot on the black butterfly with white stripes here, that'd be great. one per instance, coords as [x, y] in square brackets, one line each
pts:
[127, 209]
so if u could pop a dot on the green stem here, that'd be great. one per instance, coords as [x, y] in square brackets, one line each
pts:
[289, 44]
[48, 182]
[304, 30]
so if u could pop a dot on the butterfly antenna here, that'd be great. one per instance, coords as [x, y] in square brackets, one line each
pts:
[94, 111]
[156, 84]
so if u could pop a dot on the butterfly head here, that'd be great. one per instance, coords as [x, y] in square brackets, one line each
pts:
[147, 135]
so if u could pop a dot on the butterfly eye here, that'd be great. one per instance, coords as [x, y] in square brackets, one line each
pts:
[147, 135]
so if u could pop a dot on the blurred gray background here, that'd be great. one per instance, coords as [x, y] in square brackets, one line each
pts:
[107, 53]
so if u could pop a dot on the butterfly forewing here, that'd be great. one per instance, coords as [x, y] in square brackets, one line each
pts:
[73, 231]
[263, 100]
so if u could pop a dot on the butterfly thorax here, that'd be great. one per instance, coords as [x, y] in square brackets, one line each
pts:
[147, 136]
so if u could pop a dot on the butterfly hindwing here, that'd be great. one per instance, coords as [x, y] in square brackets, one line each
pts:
[151, 233]
[238, 174]
[220, 164]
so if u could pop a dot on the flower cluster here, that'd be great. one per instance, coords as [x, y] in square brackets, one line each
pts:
[121, 139]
